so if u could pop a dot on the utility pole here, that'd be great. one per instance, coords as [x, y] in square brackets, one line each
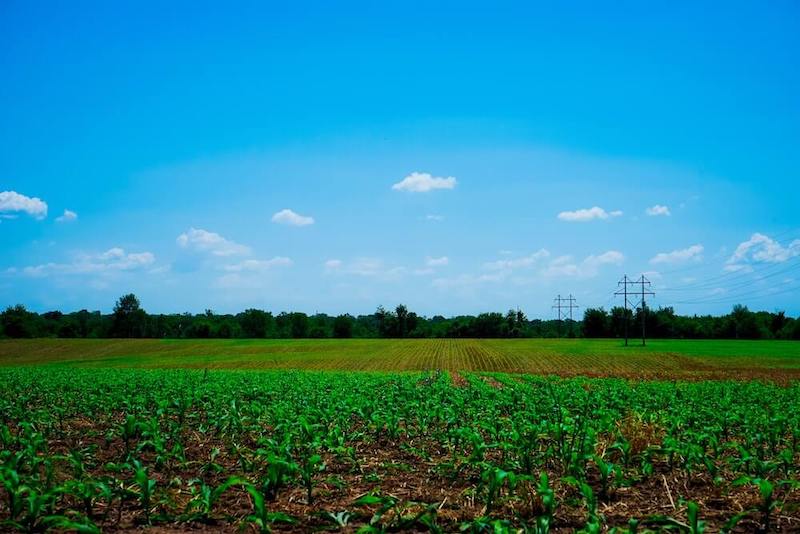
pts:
[558, 307]
[571, 306]
[644, 281]
[625, 282]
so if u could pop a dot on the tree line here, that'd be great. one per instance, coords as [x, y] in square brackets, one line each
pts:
[130, 320]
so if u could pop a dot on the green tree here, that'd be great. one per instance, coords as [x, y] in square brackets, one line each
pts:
[343, 326]
[19, 322]
[595, 322]
[128, 319]
[254, 323]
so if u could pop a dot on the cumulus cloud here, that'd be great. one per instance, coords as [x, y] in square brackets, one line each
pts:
[112, 260]
[656, 210]
[588, 214]
[761, 248]
[516, 263]
[291, 218]
[437, 262]
[466, 281]
[250, 274]
[68, 216]
[12, 203]
[258, 265]
[200, 240]
[538, 266]
[366, 267]
[693, 253]
[589, 267]
[422, 182]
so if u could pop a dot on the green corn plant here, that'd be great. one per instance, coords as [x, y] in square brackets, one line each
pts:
[593, 519]
[15, 490]
[485, 525]
[129, 430]
[608, 474]
[146, 486]
[309, 467]
[204, 497]
[383, 502]
[632, 528]
[88, 492]
[768, 503]
[278, 474]
[549, 503]
[339, 519]
[493, 479]
[693, 525]
[261, 517]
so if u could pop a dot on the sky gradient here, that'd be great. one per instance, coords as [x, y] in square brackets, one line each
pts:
[461, 158]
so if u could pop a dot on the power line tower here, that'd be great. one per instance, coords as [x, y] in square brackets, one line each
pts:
[625, 282]
[571, 306]
[558, 306]
[644, 291]
[564, 303]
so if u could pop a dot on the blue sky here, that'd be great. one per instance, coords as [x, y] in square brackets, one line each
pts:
[460, 158]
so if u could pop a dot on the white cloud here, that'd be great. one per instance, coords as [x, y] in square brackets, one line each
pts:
[437, 262]
[422, 182]
[516, 263]
[366, 267]
[68, 216]
[11, 201]
[693, 253]
[258, 265]
[585, 215]
[761, 249]
[656, 210]
[291, 218]
[204, 241]
[612, 257]
[539, 264]
[466, 281]
[113, 260]
[735, 268]
[589, 267]
[434, 217]
[250, 274]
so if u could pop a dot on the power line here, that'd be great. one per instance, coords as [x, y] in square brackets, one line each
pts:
[625, 282]
[728, 298]
[775, 237]
[742, 285]
[644, 281]
[742, 278]
[570, 305]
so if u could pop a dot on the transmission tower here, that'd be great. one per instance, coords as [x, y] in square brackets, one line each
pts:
[564, 303]
[571, 306]
[644, 291]
[625, 282]
[558, 306]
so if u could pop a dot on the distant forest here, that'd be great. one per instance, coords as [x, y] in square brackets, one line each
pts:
[130, 320]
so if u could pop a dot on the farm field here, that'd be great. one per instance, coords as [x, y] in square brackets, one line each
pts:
[776, 360]
[300, 451]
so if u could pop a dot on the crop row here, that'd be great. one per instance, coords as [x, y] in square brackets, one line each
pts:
[92, 450]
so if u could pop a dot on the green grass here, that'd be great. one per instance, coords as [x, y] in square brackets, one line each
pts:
[601, 357]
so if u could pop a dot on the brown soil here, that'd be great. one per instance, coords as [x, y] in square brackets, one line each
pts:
[415, 472]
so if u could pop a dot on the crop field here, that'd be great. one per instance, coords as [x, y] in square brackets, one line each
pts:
[665, 359]
[229, 451]
[429, 435]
